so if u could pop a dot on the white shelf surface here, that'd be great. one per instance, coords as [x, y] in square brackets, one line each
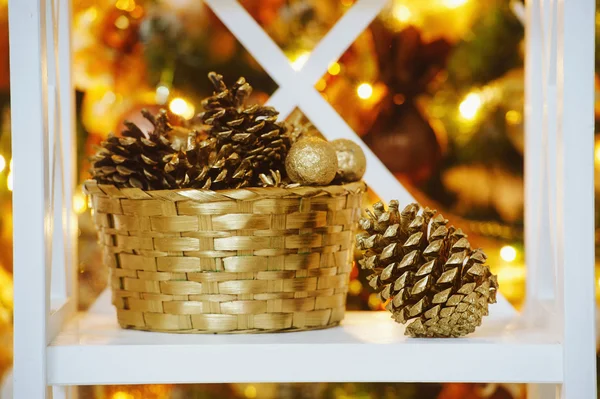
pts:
[368, 346]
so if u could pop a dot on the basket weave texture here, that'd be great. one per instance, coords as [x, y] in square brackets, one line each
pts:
[245, 260]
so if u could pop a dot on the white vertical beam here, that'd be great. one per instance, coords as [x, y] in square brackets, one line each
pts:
[61, 126]
[69, 142]
[547, 234]
[62, 166]
[575, 196]
[27, 28]
[55, 173]
[537, 228]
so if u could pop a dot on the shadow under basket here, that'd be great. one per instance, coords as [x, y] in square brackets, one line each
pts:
[232, 261]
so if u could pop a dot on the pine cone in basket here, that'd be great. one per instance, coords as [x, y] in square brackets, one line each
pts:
[136, 160]
[253, 132]
[213, 166]
[427, 270]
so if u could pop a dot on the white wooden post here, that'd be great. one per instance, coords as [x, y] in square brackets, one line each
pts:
[30, 156]
[575, 196]
[43, 143]
[559, 185]
[540, 158]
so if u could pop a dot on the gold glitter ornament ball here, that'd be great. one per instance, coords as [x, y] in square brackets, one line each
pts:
[311, 162]
[352, 162]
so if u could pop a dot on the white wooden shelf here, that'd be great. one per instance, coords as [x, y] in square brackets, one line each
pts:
[93, 349]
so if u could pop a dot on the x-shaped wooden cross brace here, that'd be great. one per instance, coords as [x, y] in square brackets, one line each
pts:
[296, 88]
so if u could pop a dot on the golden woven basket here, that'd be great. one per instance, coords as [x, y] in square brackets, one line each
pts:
[246, 260]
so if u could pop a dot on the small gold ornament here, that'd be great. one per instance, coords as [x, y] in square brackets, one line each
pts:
[352, 162]
[311, 162]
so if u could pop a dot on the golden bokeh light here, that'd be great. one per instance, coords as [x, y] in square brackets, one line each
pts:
[125, 5]
[122, 395]
[454, 3]
[162, 94]
[364, 91]
[334, 68]
[508, 253]
[470, 106]
[513, 117]
[401, 13]
[374, 301]
[321, 85]
[79, 203]
[250, 392]
[122, 22]
[355, 287]
[299, 60]
[597, 152]
[181, 107]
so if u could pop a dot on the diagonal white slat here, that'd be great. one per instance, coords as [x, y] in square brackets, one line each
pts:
[258, 43]
[333, 126]
[330, 49]
[340, 37]
[318, 110]
[283, 102]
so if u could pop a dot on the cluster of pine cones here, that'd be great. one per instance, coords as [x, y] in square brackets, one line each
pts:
[239, 146]
[425, 270]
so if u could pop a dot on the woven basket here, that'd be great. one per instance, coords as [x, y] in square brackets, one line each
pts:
[246, 260]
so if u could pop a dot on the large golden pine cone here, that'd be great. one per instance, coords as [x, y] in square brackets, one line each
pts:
[253, 132]
[426, 270]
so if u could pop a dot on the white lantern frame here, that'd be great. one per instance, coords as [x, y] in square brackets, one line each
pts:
[551, 346]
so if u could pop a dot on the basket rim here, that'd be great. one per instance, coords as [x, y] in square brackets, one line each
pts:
[92, 187]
